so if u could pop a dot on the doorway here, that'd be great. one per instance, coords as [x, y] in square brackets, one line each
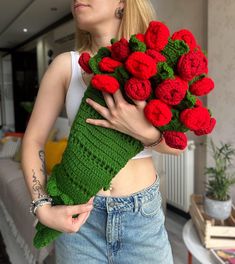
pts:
[25, 86]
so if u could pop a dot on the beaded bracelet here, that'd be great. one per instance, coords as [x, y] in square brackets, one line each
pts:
[155, 143]
[35, 203]
[39, 205]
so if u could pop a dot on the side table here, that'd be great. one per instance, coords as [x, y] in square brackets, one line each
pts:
[194, 245]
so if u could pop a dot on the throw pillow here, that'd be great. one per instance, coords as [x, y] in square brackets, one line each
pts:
[9, 146]
[53, 153]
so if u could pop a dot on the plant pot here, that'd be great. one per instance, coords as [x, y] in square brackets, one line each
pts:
[219, 210]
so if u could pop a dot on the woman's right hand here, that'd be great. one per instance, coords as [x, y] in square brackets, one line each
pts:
[59, 217]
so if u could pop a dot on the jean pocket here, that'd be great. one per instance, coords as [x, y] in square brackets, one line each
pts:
[151, 207]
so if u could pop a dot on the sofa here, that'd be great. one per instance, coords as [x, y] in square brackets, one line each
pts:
[17, 225]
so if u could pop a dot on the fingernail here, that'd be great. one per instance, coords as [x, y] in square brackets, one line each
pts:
[91, 200]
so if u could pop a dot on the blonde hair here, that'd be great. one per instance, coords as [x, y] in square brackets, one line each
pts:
[136, 17]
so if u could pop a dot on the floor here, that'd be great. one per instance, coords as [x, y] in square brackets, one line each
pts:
[174, 225]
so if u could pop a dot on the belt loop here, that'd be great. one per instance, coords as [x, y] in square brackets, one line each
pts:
[136, 203]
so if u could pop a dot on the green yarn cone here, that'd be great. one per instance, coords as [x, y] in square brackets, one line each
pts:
[93, 156]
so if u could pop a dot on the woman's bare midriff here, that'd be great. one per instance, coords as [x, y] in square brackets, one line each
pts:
[135, 176]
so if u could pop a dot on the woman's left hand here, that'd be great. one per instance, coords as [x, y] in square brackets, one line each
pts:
[124, 117]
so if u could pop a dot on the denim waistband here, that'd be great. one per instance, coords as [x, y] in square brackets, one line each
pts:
[130, 202]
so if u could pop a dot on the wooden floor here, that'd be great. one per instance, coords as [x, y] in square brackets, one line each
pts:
[174, 225]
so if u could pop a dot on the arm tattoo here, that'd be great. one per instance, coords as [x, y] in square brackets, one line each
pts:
[41, 154]
[37, 186]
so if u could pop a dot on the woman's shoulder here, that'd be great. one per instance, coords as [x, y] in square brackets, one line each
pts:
[62, 58]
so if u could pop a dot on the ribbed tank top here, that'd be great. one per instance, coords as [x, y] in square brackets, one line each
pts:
[75, 93]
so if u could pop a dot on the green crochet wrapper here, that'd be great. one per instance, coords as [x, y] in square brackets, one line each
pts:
[93, 156]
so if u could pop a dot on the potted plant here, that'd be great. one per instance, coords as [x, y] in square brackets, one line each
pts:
[217, 201]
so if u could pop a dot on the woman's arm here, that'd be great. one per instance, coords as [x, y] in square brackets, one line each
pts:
[129, 119]
[48, 105]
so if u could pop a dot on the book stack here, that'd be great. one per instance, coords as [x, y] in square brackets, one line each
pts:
[224, 256]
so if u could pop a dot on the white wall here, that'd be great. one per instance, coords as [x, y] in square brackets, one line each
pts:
[221, 53]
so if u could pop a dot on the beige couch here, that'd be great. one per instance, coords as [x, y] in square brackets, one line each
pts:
[16, 223]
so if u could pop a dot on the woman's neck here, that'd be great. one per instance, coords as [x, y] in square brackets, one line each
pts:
[101, 38]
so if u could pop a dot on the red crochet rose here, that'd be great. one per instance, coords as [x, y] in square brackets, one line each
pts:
[192, 64]
[202, 87]
[108, 65]
[120, 50]
[195, 118]
[140, 37]
[157, 35]
[187, 37]
[158, 113]
[105, 83]
[141, 65]
[138, 89]
[198, 103]
[157, 56]
[84, 62]
[172, 91]
[206, 130]
[174, 139]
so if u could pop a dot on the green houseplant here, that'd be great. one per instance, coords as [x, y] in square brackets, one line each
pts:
[217, 200]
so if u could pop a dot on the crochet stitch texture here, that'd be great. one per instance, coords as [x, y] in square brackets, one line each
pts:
[93, 156]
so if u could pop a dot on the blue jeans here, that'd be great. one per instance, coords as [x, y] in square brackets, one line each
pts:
[120, 230]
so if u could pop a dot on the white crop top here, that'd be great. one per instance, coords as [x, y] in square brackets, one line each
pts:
[75, 93]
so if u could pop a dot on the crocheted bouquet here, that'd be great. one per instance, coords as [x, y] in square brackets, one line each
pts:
[169, 72]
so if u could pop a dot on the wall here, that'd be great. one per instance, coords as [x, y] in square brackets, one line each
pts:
[192, 15]
[1, 90]
[221, 53]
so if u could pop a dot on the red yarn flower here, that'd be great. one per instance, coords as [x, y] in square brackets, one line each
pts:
[172, 91]
[195, 118]
[186, 36]
[138, 89]
[157, 35]
[157, 56]
[84, 62]
[198, 103]
[158, 113]
[108, 65]
[206, 130]
[105, 83]
[120, 50]
[192, 64]
[202, 87]
[175, 139]
[140, 37]
[141, 65]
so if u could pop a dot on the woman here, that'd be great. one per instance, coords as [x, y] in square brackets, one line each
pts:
[124, 224]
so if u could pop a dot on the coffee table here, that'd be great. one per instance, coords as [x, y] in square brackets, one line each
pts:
[194, 245]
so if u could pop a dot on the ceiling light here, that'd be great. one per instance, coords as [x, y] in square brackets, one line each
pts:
[25, 30]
